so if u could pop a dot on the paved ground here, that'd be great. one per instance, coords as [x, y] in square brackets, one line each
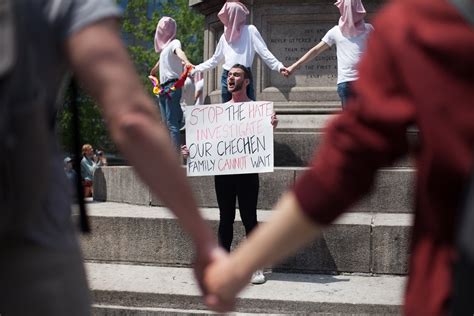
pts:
[281, 288]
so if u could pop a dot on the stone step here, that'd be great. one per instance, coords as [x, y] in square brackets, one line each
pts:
[292, 148]
[299, 134]
[129, 288]
[393, 189]
[119, 310]
[357, 242]
[297, 148]
[296, 140]
[301, 120]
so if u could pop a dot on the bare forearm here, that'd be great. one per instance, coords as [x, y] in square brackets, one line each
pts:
[311, 54]
[287, 231]
[179, 52]
[155, 68]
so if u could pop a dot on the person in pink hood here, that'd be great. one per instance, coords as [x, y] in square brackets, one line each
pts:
[349, 36]
[170, 66]
[238, 45]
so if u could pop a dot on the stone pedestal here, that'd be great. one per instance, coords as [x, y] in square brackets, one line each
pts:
[290, 29]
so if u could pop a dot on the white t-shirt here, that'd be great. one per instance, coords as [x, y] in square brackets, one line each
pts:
[349, 51]
[241, 52]
[170, 64]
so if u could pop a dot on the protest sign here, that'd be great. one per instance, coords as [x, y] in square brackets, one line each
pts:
[229, 138]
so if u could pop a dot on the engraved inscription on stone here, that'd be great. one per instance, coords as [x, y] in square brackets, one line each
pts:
[290, 41]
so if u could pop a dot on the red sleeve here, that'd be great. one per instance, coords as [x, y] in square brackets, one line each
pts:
[370, 134]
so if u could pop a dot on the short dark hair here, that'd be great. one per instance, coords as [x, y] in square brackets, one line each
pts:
[247, 73]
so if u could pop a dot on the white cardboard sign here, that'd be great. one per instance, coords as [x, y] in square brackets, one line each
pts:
[229, 138]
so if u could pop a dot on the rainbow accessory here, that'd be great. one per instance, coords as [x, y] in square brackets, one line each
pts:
[156, 84]
[167, 90]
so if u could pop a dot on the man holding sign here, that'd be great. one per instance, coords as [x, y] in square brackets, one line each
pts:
[230, 141]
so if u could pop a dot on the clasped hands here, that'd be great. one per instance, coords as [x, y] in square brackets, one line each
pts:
[221, 280]
[285, 71]
[288, 71]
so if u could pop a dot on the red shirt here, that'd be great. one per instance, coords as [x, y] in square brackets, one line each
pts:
[417, 72]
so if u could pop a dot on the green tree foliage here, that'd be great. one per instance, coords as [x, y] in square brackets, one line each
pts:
[138, 30]
[92, 125]
[190, 28]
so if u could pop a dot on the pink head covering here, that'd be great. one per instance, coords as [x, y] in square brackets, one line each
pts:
[233, 15]
[351, 21]
[165, 32]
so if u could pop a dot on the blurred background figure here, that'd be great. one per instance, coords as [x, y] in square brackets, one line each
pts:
[70, 174]
[88, 166]
[100, 158]
[69, 170]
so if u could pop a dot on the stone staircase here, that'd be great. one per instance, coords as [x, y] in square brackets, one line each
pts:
[139, 259]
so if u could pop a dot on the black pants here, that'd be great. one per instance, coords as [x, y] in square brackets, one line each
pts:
[228, 188]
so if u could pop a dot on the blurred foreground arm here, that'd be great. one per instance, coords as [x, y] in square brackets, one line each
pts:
[287, 231]
[101, 63]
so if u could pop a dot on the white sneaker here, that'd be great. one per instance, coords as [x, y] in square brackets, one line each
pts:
[258, 277]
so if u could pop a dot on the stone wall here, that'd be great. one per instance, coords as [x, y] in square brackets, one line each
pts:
[290, 29]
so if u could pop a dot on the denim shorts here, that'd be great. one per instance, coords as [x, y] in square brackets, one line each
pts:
[344, 90]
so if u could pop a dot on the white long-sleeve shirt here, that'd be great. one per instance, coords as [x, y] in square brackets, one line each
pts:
[241, 52]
